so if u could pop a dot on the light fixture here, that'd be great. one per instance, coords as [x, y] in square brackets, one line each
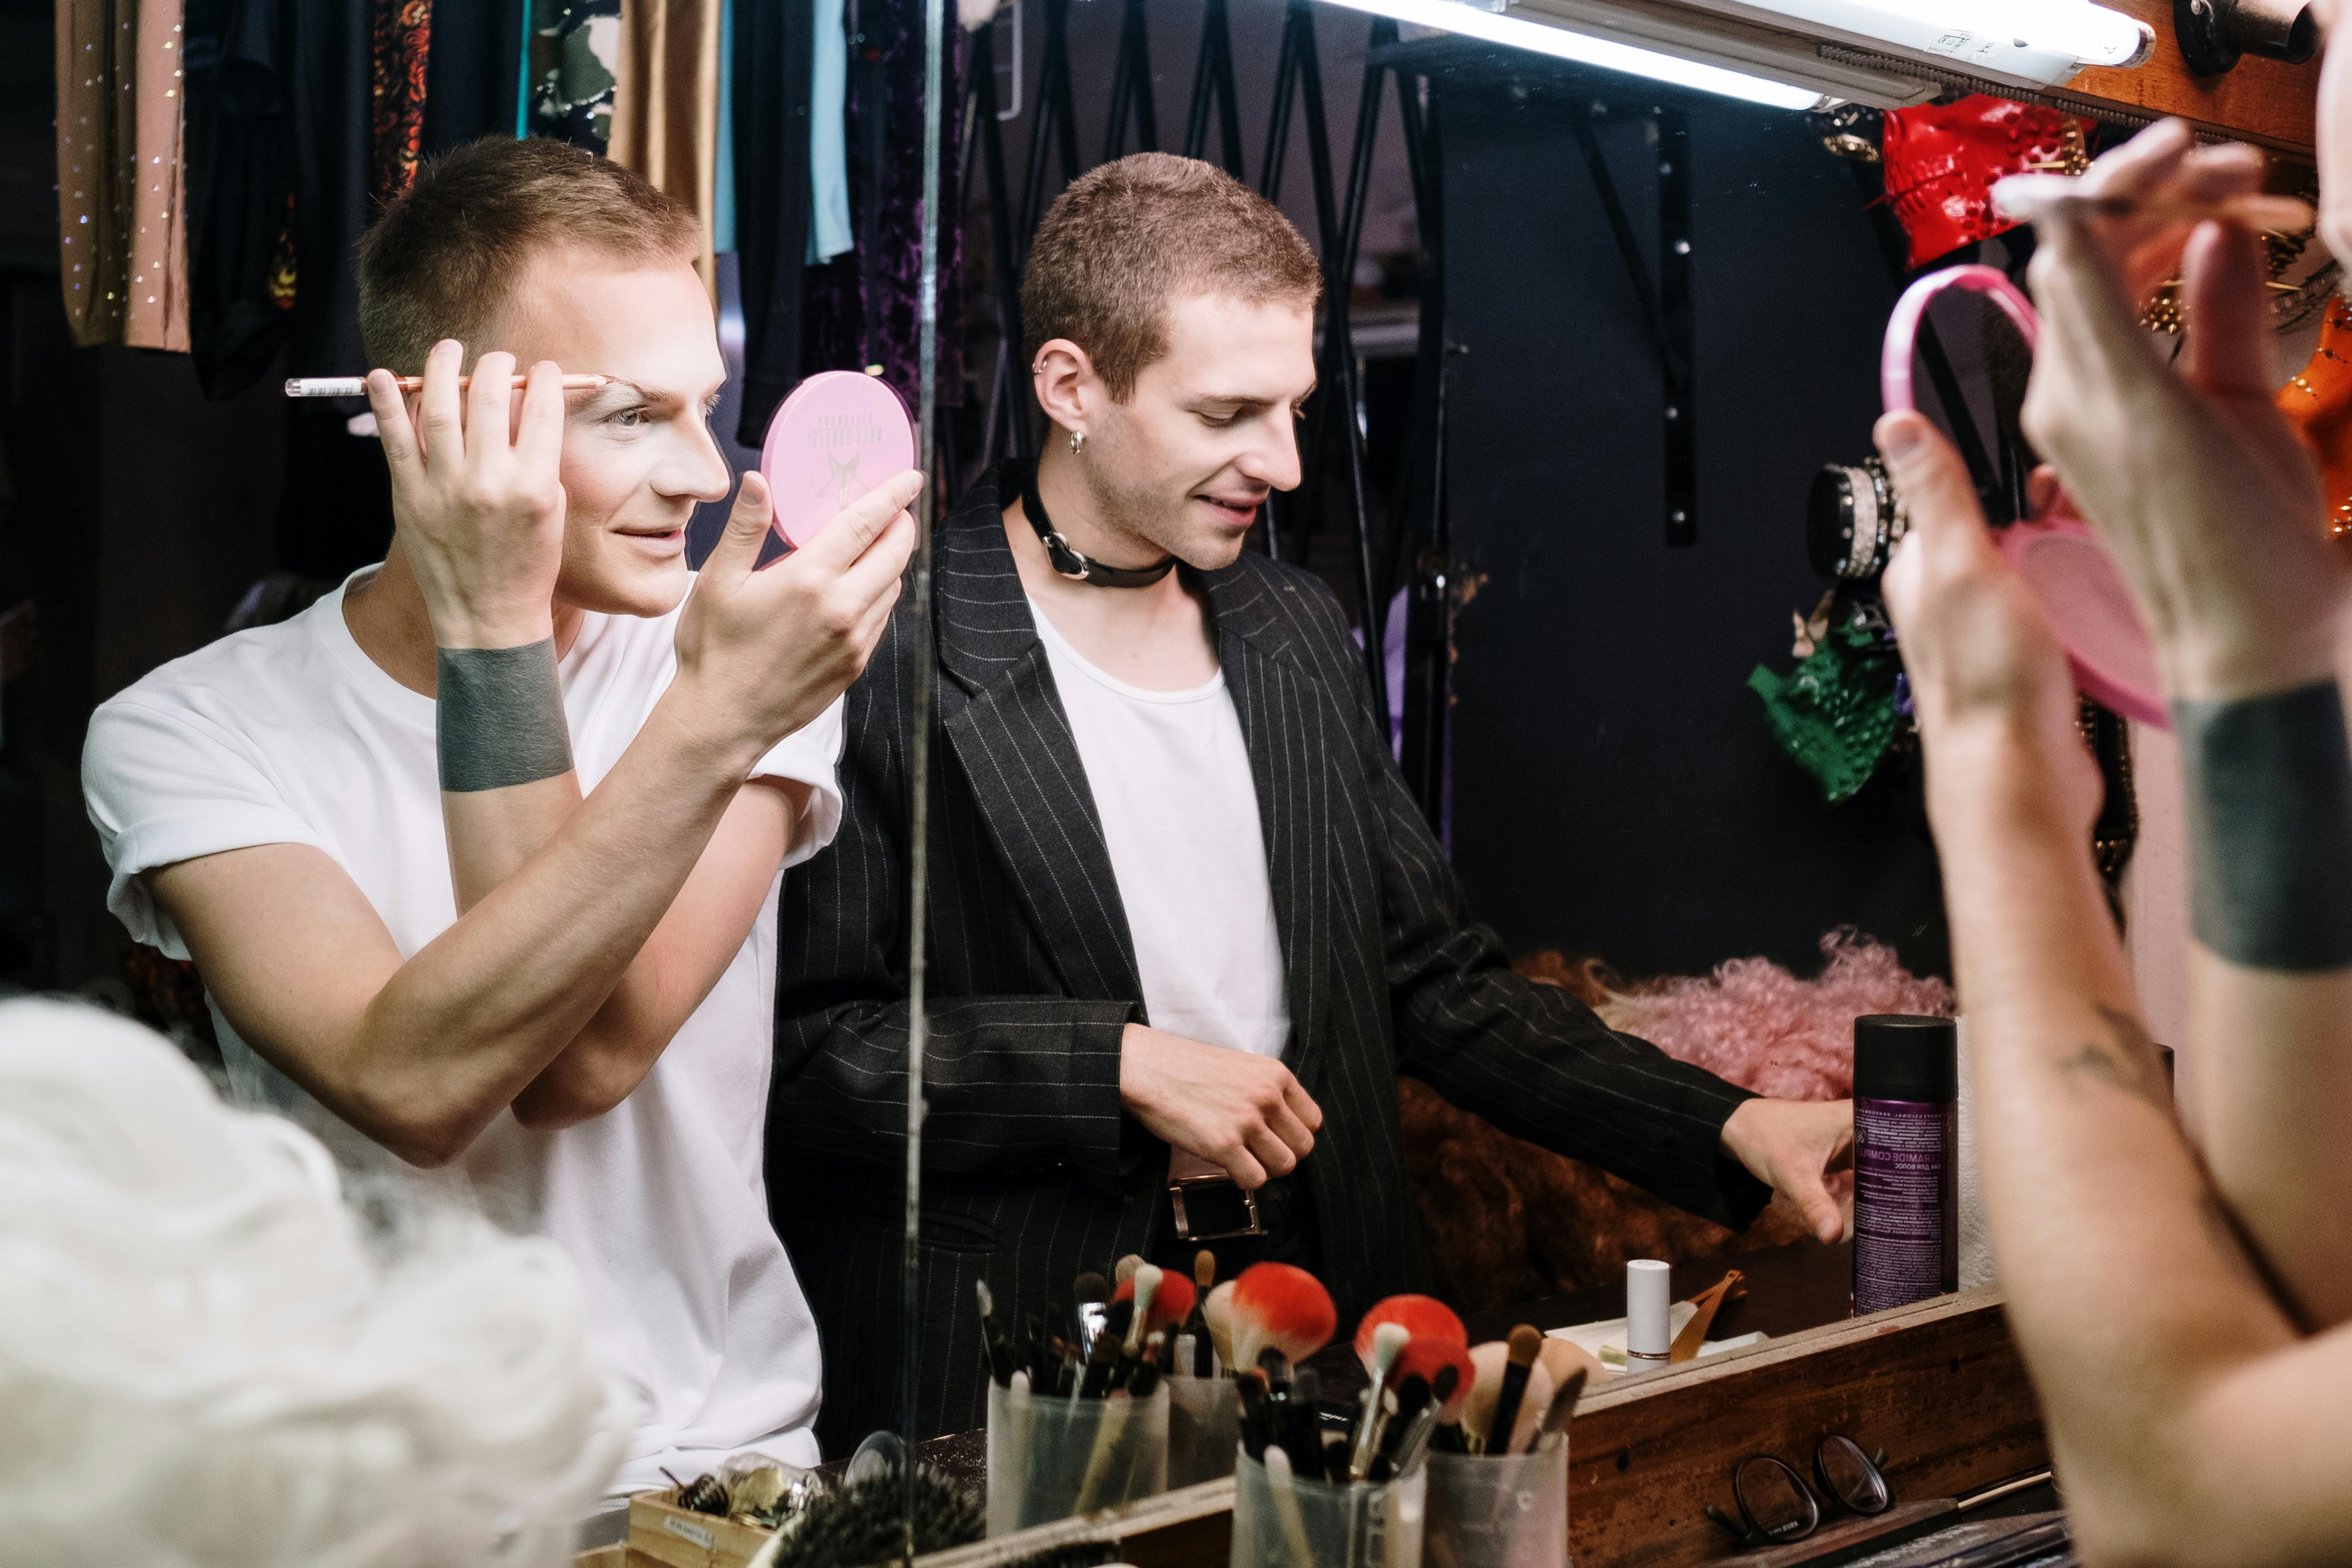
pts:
[2035, 43]
[1772, 51]
[1544, 36]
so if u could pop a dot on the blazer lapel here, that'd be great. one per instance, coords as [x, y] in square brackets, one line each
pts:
[999, 711]
[1291, 736]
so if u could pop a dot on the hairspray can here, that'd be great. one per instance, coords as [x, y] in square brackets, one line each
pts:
[1907, 1160]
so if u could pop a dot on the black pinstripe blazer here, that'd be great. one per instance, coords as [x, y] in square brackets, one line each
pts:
[1033, 1172]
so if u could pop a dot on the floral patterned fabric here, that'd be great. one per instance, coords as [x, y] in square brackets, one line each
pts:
[400, 45]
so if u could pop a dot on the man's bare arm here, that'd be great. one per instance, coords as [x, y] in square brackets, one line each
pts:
[2185, 1413]
[2212, 509]
[420, 1055]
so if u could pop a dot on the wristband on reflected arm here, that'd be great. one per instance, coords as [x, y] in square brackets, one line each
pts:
[2268, 781]
[498, 717]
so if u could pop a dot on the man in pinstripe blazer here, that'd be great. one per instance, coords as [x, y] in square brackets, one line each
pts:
[1180, 899]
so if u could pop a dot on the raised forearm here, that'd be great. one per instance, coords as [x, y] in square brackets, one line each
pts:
[2130, 1293]
[463, 1025]
[2268, 786]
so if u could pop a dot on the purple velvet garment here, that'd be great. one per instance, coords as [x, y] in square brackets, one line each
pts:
[833, 296]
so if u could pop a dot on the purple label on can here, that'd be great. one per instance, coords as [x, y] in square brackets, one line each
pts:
[1906, 1209]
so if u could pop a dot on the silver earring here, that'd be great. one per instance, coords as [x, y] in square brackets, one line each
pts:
[1077, 444]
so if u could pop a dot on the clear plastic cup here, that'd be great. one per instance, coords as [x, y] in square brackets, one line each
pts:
[1204, 1429]
[1052, 1457]
[1315, 1524]
[1507, 1510]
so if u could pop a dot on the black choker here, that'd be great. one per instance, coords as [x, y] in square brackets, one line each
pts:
[1070, 563]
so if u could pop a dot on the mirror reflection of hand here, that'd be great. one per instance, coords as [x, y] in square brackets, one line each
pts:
[763, 650]
[1803, 1150]
[1235, 1108]
[2199, 488]
[1988, 679]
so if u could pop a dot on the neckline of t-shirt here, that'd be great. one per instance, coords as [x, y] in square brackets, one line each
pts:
[335, 631]
[1101, 676]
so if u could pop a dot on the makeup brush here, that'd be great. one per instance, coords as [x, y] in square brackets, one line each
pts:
[1169, 1303]
[1425, 1317]
[1089, 1291]
[1557, 1414]
[1100, 1360]
[1127, 1266]
[992, 1343]
[1562, 1358]
[1139, 1288]
[1447, 1392]
[1287, 1308]
[1217, 1317]
[2031, 197]
[1494, 1363]
[1204, 1276]
[1409, 1429]
[1526, 1344]
[1388, 1343]
[1286, 1505]
[1427, 1358]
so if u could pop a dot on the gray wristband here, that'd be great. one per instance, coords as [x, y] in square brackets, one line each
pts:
[499, 717]
[2269, 788]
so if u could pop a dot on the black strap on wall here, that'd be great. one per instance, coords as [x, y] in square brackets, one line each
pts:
[1130, 88]
[1008, 424]
[1212, 87]
[1666, 305]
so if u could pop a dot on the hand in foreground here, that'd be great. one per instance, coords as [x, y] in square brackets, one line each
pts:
[765, 650]
[1802, 1149]
[2209, 503]
[478, 492]
[1990, 686]
[1235, 1109]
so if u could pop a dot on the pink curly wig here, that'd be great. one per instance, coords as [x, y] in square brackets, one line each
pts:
[1758, 1026]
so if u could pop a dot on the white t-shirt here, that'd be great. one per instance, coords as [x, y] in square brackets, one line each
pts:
[290, 734]
[1170, 776]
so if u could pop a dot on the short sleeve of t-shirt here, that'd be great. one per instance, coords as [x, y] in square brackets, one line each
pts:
[809, 755]
[163, 786]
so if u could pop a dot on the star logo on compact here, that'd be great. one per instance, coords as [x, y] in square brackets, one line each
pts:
[842, 481]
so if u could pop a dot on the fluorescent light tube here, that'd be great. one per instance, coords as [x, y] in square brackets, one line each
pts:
[1520, 32]
[2041, 43]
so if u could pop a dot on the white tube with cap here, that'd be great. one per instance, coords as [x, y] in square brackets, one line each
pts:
[1648, 1294]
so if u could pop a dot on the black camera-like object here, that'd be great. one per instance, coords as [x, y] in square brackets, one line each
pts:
[1852, 520]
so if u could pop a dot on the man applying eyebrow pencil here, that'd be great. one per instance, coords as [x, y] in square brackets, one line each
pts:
[478, 858]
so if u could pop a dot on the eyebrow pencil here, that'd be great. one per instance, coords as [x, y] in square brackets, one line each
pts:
[356, 385]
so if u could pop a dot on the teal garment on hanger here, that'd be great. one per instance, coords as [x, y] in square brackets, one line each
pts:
[723, 201]
[829, 233]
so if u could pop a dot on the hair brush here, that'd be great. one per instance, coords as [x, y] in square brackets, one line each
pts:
[863, 1523]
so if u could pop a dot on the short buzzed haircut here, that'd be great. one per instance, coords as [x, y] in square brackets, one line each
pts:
[1127, 238]
[444, 260]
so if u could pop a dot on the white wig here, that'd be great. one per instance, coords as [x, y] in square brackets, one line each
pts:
[203, 1361]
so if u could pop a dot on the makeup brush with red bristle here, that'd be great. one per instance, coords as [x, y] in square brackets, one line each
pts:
[1424, 1317]
[1279, 1307]
[1170, 1304]
[1425, 1358]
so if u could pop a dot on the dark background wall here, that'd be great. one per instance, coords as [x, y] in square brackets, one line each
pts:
[1615, 789]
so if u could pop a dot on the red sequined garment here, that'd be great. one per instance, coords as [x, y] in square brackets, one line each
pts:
[1941, 159]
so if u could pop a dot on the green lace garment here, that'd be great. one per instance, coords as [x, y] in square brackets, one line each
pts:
[1834, 713]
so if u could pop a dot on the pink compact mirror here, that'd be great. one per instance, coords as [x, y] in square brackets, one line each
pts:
[1964, 365]
[836, 436]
